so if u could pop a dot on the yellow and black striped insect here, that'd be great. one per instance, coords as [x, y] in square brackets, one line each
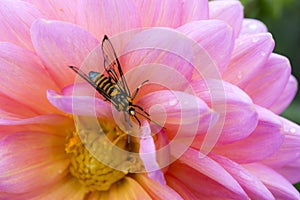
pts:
[112, 85]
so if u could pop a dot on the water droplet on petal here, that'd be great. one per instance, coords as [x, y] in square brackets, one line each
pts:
[252, 26]
[289, 130]
[240, 75]
[292, 130]
[255, 39]
[263, 54]
[173, 102]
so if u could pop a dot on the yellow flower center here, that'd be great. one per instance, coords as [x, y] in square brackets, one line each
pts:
[94, 174]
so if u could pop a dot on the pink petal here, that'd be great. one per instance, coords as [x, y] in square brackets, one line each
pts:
[15, 21]
[155, 189]
[176, 108]
[189, 133]
[162, 149]
[12, 109]
[80, 105]
[178, 111]
[148, 155]
[267, 87]
[229, 11]
[79, 89]
[201, 186]
[60, 45]
[160, 77]
[205, 125]
[278, 185]
[215, 36]
[42, 123]
[107, 17]
[194, 10]
[253, 26]
[211, 178]
[252, 186]
[56, 9]
[176, 184]
[290, 148]
[9, 116]
[26, 154]
[51, 119]
[163, 51]
[286, 97]
[291, 171]
[164, 13]
[237, 116]
[249, 57]
[18, 73]
[263, 141]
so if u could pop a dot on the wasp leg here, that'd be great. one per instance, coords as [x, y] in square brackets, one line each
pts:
[137, 119]
[139, 107]
[127, 119]
[137, 89]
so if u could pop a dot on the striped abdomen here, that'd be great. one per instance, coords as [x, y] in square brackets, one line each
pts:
[111, 91]
[103, 82]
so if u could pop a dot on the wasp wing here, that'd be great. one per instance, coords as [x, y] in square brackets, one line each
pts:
[112, 66]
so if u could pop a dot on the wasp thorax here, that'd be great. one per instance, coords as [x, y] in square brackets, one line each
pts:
[93, 173]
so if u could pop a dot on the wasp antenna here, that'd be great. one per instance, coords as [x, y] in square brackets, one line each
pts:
[83, 75]
[145, 81]
[75, 69]
[137, 90]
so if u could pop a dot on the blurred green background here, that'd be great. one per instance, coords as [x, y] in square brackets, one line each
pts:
[282, 18]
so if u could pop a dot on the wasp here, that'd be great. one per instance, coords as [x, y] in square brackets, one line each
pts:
[112, 85]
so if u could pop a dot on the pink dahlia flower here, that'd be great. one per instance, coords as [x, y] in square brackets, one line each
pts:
[214, 85]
